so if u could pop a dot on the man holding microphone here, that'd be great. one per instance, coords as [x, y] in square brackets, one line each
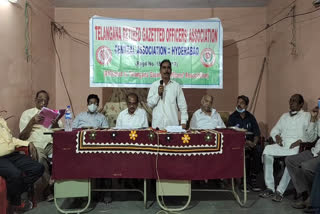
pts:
[165, 97]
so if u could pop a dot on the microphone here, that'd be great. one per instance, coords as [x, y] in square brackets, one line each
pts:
[161, 83]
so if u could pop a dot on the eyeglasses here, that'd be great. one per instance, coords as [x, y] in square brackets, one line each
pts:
[132, 104]
[42, 100]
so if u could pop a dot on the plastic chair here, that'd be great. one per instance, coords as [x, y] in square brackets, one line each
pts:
[3, 186]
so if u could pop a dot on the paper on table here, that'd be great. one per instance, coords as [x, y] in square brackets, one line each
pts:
[175, 129]
[129, 127]
[238, 129]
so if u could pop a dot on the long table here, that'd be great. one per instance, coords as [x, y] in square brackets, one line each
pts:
[148, 154]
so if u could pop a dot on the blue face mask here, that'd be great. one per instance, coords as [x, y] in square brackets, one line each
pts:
[240, 110]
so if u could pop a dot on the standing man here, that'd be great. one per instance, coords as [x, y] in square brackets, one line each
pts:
[293, 128]
[165, 97]
[206, 117]
[32, 130]
[241, 118]
[132, 117]
[91, 118]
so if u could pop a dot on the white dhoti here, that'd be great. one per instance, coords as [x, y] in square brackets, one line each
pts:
[269, 152]
[290, 129]
[280, 151]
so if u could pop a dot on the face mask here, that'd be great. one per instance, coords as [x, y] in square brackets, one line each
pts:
[92, 108]
[240, 110]
[292, 113]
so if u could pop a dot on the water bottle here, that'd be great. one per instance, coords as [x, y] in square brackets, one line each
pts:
[68, 120]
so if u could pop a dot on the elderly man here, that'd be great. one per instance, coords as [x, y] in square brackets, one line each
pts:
[19, 171]
[242, 118]
[165, 96]
[293, 127]
[206, 117]
[32, 130]
[91, 118]
[132, 117]
[301, 168]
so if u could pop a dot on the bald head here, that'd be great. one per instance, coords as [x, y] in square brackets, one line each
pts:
[296, 102]
[132, 102]
[207, 103]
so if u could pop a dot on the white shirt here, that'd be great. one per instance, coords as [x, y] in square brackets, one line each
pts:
[291, 129]
[316, 149]
[132, 121]
[37, 135]
[200, 120]
[165, 110]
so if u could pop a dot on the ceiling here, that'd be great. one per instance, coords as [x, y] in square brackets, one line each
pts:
[158, 3]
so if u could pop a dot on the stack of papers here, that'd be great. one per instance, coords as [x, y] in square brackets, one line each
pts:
[238, 129]
[175, 129]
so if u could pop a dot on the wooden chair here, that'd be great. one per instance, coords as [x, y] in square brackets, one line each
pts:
[307, 146]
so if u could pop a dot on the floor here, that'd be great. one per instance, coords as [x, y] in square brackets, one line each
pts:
[202, 203]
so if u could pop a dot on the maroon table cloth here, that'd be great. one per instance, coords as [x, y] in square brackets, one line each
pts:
[195, 155]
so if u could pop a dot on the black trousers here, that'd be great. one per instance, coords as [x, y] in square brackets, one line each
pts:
[20, 172]
[253, 161]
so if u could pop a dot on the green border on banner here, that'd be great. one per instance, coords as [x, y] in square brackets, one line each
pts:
[127, 53]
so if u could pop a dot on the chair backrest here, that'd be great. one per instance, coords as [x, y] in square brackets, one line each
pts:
[224, 116]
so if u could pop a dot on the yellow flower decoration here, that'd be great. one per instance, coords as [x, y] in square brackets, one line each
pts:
[185, 138]
[133, 135]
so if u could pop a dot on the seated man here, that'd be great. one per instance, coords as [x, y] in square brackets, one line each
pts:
[241, 118]
[32, 130]
[132, 117]
[91, 118]
[19, 170]
[293, 127]
[206, 117]
[301, 168]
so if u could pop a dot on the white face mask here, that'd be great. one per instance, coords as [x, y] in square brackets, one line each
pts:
[240, 110]
[292, 113]
[92, 108]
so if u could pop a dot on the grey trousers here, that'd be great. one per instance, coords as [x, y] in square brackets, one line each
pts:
[315, 193]
[301, 168]
[42, 188]
[44, 160]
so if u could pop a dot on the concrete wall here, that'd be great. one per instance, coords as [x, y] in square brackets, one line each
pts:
[285, 74]
[19, 79]
[289, 73]
[242, 62]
